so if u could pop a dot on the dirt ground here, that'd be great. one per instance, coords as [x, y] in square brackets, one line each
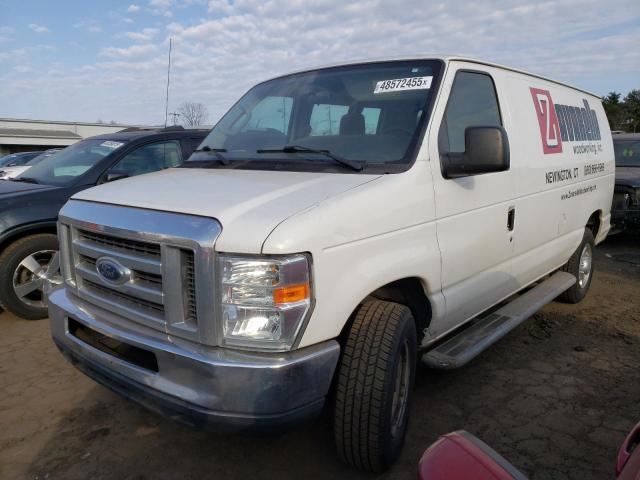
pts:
[556, 397]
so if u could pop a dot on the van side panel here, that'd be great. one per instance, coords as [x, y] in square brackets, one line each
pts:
[563, 162]
[472, 216]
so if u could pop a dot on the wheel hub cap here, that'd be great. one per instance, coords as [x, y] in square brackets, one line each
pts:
[584, 268]
[31, 274]
[401, 389]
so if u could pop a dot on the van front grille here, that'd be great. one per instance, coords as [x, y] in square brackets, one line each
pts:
[151, 284]
[121, 243]
[129, 300]
[190, 287]
[157, 268]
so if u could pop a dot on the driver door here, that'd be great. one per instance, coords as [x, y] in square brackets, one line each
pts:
[472, 212]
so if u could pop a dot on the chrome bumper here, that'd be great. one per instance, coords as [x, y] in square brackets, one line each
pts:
[197, 385]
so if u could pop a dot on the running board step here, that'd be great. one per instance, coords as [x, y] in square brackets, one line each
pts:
[466, 345]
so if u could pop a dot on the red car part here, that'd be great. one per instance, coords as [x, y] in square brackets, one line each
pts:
[462, 456]
[628, 464]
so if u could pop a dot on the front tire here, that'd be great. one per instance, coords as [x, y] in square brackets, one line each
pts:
[374, 387]
[580, 265]
[24, 267]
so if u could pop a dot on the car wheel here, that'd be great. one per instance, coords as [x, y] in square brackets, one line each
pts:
[580, 265]
[374, 386]
[25, 266]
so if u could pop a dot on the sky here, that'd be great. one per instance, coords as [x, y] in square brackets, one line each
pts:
[107, 60]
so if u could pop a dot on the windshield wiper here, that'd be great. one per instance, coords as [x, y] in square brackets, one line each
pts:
[24, 179]
[300, 149]
[215, 151]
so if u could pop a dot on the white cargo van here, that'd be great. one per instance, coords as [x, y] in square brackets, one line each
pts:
[337, 225]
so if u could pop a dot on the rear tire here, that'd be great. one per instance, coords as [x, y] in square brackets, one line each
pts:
[580, 265]
[24, 267]
[374, 386]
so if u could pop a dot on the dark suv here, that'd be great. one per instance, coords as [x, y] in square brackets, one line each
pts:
[29, 204]
[625, 211]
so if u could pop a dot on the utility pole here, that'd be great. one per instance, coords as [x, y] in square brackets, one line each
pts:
[175, 115]
[166, 104]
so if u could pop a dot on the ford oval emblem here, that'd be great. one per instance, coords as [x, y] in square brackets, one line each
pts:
[112, 271]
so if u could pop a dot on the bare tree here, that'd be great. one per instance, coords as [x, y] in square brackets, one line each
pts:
[193, 114]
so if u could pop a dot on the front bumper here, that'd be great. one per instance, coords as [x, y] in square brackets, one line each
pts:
[204, 387]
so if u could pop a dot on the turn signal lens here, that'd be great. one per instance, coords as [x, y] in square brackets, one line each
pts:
[294, 293]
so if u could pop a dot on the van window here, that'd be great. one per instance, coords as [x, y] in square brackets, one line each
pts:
[369, 113]
[472, 103]
[371, 118]
[272, 113]
[325, 119]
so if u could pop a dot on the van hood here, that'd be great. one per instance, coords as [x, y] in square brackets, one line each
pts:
[248, 203]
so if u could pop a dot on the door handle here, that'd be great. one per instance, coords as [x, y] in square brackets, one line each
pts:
[511, 218]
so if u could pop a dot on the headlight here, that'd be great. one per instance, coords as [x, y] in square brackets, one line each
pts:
[264, 301]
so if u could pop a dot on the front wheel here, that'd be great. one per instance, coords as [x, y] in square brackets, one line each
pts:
[580, 265]
[25, 266]
[374, 386]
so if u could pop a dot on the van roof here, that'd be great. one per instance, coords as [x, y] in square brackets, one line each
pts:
[445, 58]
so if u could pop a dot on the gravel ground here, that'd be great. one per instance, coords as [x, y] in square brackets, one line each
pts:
[556, 397]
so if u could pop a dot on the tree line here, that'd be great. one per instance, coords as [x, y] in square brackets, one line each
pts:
[623, 115]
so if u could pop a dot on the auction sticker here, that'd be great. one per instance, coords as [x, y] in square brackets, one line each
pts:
[400, 84]
[111, 144]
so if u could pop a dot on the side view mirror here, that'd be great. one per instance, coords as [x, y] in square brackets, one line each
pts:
[113, 175]
[486, 150]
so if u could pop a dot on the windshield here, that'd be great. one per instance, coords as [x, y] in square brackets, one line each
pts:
[369, 115]
[38, 159]
[62, 168]
[627, 153]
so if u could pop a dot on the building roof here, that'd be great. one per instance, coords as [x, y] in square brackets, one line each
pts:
[29, 132]
[62, 122]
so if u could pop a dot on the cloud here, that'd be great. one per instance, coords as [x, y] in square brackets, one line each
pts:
[219, 6]
[38, 28]
[133, 51]
[160, 3]
[161, 7]
[145, 36]
[133, 8]
[5, 34]
[222, 47]
[88, 25]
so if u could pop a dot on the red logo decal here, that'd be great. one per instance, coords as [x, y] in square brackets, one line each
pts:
[547, 121]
